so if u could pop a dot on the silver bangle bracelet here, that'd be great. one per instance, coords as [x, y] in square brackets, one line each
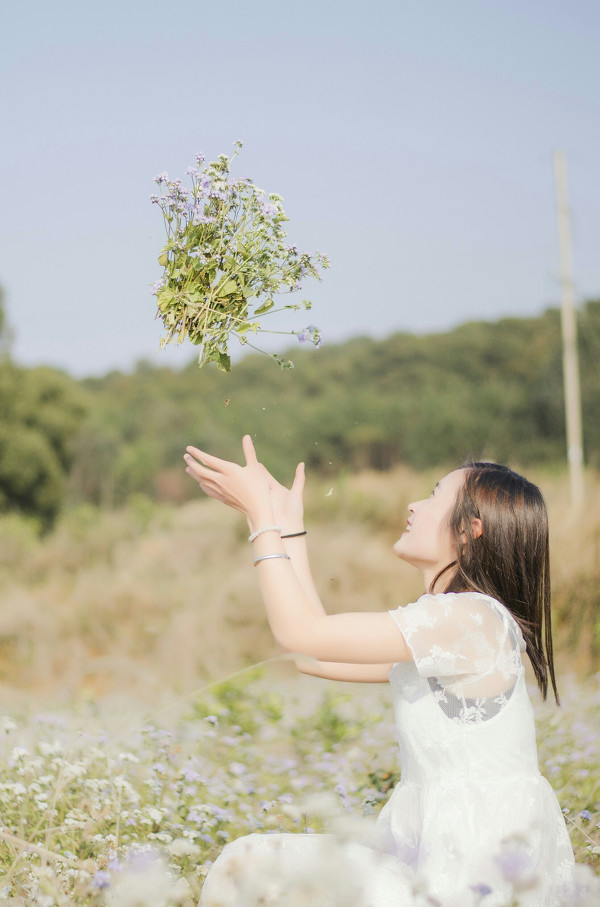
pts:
[268, 557]
[258, 532]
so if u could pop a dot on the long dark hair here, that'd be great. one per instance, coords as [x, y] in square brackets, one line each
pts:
[510, 560]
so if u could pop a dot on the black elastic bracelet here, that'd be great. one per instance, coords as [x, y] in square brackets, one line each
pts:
[294, 535]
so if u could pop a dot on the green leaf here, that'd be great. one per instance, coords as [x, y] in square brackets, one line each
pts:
[264, 307]
[230, 286]
[193, 296]
[164, 298]
[224, 362]
[163, 260]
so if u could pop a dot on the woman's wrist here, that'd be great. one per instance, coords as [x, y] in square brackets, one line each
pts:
[259, 519]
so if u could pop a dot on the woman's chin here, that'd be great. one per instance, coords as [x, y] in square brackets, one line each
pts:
[399, 548]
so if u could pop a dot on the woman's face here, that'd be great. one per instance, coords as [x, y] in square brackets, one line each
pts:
[426, 541]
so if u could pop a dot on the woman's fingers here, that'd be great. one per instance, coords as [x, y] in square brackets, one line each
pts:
[249, 451]
[298, 483]
[198, 469]
[207, 459]
[209, 481]
[221, 465]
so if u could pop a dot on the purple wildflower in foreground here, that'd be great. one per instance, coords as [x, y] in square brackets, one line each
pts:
[516, 865]
[102, 879]
[482, 890]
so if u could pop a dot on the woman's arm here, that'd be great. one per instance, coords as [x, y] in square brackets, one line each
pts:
[297, 623]
[352, 673]
[288, 512]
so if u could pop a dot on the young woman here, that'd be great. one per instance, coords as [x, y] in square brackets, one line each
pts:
[472, 820]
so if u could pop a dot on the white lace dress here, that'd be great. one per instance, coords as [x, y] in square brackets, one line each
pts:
[472, 821]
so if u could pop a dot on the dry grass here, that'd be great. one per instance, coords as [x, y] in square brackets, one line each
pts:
[150, 599]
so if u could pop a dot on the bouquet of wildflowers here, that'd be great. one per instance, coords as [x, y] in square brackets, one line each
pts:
[225, 260]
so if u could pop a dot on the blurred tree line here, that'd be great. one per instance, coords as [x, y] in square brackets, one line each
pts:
[485, 390]
[41, 409]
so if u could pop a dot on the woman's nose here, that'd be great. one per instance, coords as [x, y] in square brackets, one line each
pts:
[412, 507]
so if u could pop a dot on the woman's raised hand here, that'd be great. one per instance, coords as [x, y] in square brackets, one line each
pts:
[288, 506]
[245, 488]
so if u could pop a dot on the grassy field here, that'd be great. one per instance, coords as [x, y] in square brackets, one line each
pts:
[127, 761]
[151, 599]
[123, 804]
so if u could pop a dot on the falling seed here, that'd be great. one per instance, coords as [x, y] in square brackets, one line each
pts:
[228, 400]
[329, 493]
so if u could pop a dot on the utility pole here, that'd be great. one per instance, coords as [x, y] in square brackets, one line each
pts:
[569, 337]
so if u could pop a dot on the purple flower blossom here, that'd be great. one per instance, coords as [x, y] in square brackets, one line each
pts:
[191, 775]
[482, 890]
[312, 333]
[268, 209]
[516, 864]
[101, 879]
[142, 861]
[585, 814]
[161, 178]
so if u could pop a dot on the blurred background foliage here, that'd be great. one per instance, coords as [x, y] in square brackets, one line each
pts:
[487, 390]
[490, 390]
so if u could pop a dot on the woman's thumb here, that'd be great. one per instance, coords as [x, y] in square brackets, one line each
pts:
[298, 484]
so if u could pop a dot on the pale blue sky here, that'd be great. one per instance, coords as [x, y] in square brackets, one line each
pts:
[412, 142]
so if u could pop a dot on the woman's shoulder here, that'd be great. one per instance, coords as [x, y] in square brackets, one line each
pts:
[438, 605]
[474, 606]
[455, 600]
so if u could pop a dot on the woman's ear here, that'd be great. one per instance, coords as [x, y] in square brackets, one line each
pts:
[477, 528]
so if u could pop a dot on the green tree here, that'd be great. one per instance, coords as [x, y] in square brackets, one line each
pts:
[41, 410]
[488, 390]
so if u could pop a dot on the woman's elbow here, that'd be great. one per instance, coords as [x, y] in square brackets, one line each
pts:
[289, 641]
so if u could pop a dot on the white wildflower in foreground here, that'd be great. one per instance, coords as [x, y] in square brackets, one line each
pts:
[145, 881]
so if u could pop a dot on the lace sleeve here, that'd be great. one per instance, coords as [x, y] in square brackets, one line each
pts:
[454, 634]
